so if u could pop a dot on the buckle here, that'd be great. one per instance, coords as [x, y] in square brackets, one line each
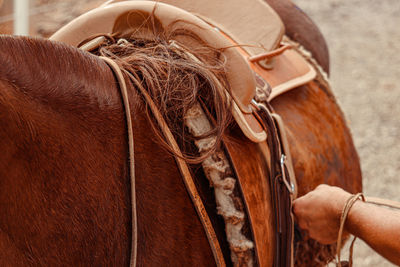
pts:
[289, 185]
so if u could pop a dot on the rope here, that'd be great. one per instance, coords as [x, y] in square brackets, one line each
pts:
[345, 212]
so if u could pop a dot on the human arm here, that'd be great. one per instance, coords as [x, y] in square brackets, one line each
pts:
[319, 213]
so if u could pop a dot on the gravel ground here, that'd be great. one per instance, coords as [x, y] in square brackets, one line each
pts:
[364, 39]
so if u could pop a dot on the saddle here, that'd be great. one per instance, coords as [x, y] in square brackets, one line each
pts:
[290, 69]
[279, 67]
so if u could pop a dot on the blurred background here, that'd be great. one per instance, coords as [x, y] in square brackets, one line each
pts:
[45, 16]
[364, 41]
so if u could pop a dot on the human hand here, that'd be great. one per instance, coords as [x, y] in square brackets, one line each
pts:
[319, 211]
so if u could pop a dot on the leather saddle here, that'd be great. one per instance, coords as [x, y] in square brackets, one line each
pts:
[221, 25]
[112, 17]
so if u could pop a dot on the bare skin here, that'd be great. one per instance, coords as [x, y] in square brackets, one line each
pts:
[318, 212]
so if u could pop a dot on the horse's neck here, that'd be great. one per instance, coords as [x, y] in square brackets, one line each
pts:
[65, 189]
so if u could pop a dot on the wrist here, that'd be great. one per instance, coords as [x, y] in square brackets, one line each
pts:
[352, 218]
[339, 204]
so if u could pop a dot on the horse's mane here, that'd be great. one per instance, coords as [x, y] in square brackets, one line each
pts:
[176, 78]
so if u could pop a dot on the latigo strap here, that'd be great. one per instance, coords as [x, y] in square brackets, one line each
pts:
[283, 187]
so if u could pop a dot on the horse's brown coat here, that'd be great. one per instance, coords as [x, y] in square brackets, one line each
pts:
[63, 169]
[55, 185]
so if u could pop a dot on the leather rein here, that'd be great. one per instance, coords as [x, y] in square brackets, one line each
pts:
[124, 93]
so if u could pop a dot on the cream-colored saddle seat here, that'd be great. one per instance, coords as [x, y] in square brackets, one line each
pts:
[250, 22]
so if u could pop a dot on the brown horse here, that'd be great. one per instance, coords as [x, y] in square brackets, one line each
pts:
[64, 191]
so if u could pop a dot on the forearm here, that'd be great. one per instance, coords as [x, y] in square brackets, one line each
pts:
[378, 227]
[318, 212]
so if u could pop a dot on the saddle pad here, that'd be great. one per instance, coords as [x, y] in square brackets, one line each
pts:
[251, 22]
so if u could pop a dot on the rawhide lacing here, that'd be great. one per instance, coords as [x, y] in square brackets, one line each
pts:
[218, 171]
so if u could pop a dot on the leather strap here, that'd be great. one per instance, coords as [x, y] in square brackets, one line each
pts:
[270, 54]
[124, 92]
[186, 176]
[289, 179]
[292, 182]
[283, 189]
